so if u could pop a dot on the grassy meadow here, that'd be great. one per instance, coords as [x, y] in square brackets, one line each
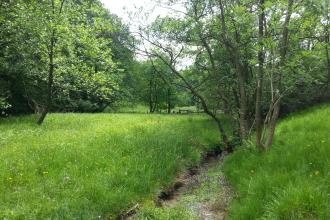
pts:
[94, 166]
[97, 166]
[292, 179]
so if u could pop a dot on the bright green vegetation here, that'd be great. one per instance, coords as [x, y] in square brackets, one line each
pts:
[84, 166]
[292, 179]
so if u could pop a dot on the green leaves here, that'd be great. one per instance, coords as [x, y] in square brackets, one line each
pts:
[85, 36]
[4, 104]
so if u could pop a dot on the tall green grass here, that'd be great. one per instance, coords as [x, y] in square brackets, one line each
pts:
[84, 166]
[292, 179]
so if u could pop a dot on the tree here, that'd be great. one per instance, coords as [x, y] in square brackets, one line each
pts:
[244, 61]
[84, 74]
[53, 22]
[170, 54]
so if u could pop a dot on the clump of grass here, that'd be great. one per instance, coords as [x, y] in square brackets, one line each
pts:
[84, 166]
[292, 179]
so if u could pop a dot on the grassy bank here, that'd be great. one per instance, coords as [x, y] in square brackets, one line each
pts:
[81, 166]
[291, 180]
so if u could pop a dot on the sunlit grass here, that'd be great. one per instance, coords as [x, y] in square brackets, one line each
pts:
[291, 180]
[84, 166]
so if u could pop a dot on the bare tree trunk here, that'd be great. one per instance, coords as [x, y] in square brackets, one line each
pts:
[260, 75]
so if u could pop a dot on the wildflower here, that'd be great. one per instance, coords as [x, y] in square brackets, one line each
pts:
[66, 179]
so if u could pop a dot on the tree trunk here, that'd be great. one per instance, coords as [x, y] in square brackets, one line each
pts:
[51, 55]
[243, 120]
[327, 40]
[260, 75]
[222, 132]
[237, 62]
[273, 122]
[50, 80]
[169, 101]
[328, 66]
[150, 96]
[226, 106]
[276, 103]
[155, 108]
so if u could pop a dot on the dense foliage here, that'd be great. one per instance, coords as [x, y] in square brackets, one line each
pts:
[83, 43]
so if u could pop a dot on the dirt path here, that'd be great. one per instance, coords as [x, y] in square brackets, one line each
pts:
[203, 191]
